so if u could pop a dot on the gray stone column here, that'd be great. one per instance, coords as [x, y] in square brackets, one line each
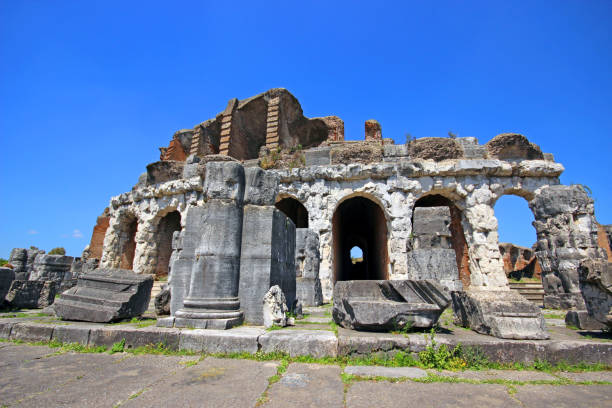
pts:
[212, 301]
[268, 245]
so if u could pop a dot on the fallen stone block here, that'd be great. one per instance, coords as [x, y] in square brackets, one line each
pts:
[31, 294]
[380, 305]
[500, 313]
[106, 295]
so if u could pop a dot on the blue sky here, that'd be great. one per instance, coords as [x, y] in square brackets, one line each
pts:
[90, 90]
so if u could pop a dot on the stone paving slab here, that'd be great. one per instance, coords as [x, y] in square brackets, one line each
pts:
[210, 383]
[388, 372]
[383, 394]
[35, 379]
[13, 355]
[587, 376]
[102, 380]
[308, 385]
[511, 375]
[567, 396]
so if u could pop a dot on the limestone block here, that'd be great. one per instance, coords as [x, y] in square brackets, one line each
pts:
[224, 180]
[499, 313]
[106, 295]
[439, 265]
[7, 276]
[31, 294]
[52, 267]
[267, 258]
[596, 288]
[261, 186]
[388, 305]
[274, 308]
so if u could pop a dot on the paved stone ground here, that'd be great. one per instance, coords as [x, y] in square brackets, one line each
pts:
[35, 376]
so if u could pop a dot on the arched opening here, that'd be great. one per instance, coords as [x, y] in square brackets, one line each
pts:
[359, 222]
[127, 241]
[295, 210]
[165, 229]
[457, 237]
[517, 238]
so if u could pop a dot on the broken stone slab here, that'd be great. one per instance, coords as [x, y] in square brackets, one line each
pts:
[106, 295]
[500, 313]
[380, 305]
[162, 301]
[7, 276]
[275, 308]
[596, 287]
[31, 294]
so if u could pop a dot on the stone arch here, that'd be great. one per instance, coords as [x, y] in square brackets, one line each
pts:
[358, 220]
[167, 224]
[458, 240]
[294, 209]
[128, 226]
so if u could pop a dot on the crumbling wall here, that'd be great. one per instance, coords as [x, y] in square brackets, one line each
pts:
[567, 234]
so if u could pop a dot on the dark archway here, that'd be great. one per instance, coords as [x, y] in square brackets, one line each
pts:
[127, 241]
[458, 241]
[166, 228]
[359, 222]
[295, 210]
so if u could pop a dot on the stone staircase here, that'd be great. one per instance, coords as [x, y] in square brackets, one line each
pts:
[532, 291]
[154, 291]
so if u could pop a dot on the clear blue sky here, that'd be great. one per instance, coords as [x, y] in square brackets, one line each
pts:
[89, 90]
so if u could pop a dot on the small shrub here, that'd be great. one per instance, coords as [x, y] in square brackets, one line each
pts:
[57, 251]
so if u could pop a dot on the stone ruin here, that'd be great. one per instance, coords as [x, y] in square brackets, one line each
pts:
[34, 277]
[223, 229]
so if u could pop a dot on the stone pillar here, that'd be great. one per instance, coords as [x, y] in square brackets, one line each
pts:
[431, 255]
[307, 261]
[567, 235]
[373, 130]
[268, 246]
[213, 301]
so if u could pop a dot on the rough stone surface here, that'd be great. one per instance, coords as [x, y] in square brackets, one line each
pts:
[567, 235]
[509, 146]
[307, 261]
[504, 314]
[275, 308]
[7, 276]
[596, 287]
[53, 268]
[162, 301]
[388, 305]
[106, 295]
[31, 294]
[267, 259]
[435, 148]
